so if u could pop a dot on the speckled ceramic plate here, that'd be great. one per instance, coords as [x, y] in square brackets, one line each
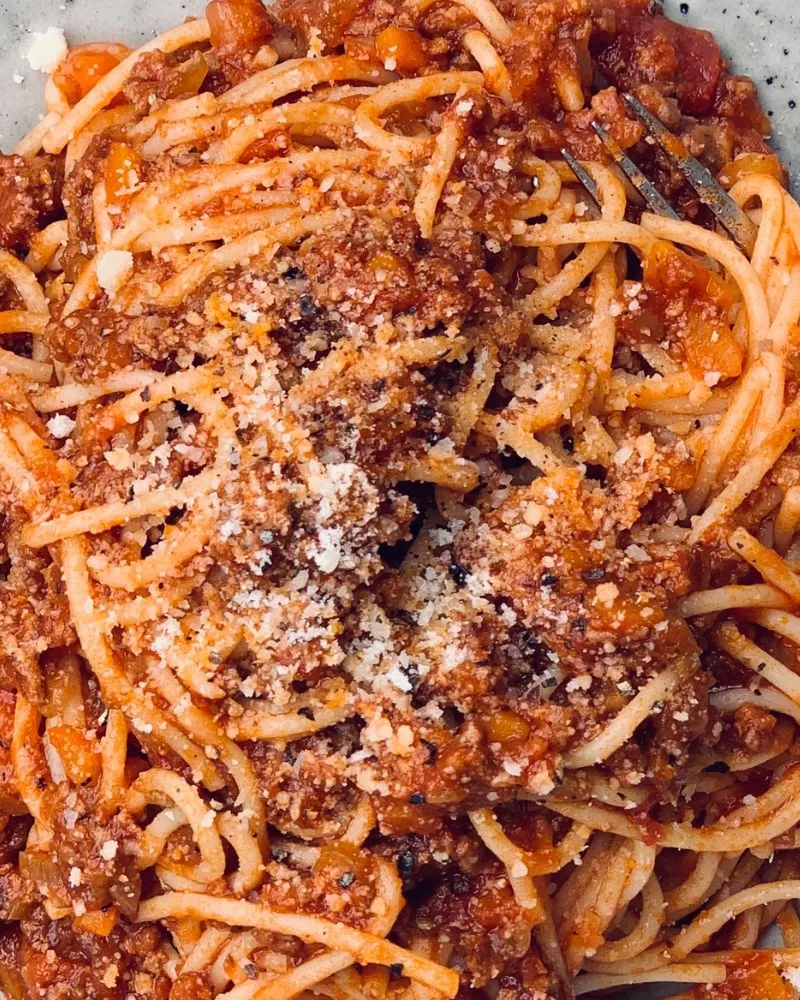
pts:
[760, 37]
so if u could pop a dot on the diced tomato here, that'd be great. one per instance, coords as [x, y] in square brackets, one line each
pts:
[78, 754]
[84, 66]
[672, 271]
[648, 49]
[238, 25]
[402, 50]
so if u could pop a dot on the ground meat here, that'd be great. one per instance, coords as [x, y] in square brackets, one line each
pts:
[29, 197]
[18, 895]
[578, 591]
[157, 77]
[77, 199]
[192, 986]
[339, 886]
[330, 17]
[59, 962]
[440, 282]
[474, 909]
[94, 344]
[81, 836]
[33, 619]
[305, 787]
[654, 50]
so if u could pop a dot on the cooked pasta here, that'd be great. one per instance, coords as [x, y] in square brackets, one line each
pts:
[399, 543]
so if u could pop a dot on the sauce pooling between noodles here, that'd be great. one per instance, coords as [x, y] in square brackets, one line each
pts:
[399, 546]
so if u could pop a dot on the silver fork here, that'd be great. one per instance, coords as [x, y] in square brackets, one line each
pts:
[710, 192]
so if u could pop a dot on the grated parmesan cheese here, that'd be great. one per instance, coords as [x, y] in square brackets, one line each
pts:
[47, 49]
[109, 850]
[61, 426]
[114, 267]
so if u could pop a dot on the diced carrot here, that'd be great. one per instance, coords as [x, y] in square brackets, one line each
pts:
[402, 50]
[507, 727]
[99, 922]
[79, 755]
[752, 163]
[712, 347]
[84, 66]
[388, 264]
[121, 172]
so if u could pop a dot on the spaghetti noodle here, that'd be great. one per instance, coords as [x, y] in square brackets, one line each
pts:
[399, 547]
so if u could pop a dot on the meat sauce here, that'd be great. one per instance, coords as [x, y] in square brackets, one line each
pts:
[553, 556]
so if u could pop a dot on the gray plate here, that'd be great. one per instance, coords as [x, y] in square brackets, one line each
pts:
[761, 37]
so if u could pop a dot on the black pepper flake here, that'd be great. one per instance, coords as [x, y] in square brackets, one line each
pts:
[308, 307]
[594, 575]
[250, 970]
[792, 105]
[451, 717]
[279, 854]
[396, 970]
[457, 573]
[405, 863]
[433, 751]
[412, 674]
[460, 884]
[345, 880]
[416, 799]
[549, 580]
[145, 394]
[292, 272]
[306, 712]
[684, 8]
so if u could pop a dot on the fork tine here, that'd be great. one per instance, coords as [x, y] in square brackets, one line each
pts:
[655, 200]
[702, 180]
[583, 176]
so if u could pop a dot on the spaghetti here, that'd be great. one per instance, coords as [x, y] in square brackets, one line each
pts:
[399, 555]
